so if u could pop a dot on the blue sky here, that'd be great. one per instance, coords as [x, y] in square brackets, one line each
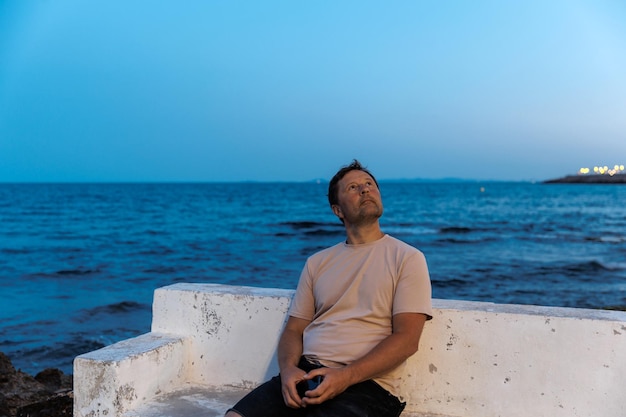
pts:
[281, 90]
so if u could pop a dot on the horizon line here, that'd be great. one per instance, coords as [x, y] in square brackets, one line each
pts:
[310, 181]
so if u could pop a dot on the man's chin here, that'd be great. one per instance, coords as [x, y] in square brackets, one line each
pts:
[371, 215]
[372, 208]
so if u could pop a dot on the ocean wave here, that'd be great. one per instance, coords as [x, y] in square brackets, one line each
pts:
[117, 308]
[589, 266]
[585, 271]
[409, 229]
[15, 251]
[304, 224]
[157, 251]
[151, 232]
[64, 273]
[77, 271]
[8, 342]
[606, 239]
[105, 311]
[323, 232]
[455, 230]
[310, 228]
[449, 283]
[159, 269]
[57, 355]
[460, 241]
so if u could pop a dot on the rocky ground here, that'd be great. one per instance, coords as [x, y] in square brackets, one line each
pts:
[49, 393]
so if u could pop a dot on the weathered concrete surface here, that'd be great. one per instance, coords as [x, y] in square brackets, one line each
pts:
[234, 330]
[194, 401]
[190, 401]
[475, 359]
[482, 359]
[122, 376]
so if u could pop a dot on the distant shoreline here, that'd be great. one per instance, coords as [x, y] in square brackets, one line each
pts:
[589, 179]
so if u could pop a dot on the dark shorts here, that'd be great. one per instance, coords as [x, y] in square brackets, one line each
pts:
[365, 399]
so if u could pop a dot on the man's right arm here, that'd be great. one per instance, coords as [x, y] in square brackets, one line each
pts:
[289, 353]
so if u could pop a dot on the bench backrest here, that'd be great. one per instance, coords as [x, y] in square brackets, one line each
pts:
[475, 358]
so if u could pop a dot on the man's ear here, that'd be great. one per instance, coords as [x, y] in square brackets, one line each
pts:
[337, 211]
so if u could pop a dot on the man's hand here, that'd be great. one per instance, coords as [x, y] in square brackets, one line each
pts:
[334, 382]
[289, 379]
[289, 352]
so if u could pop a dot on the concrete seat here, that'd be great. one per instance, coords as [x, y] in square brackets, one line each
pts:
[209, 344]
[194, 401]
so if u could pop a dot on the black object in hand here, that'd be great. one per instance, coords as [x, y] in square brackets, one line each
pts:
[308, 385]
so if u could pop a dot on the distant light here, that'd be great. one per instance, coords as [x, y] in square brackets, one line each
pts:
[603, 170]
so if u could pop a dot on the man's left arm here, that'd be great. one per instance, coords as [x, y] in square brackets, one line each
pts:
[389, 353]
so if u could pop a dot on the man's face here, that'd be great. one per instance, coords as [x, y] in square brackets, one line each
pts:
[359, 200]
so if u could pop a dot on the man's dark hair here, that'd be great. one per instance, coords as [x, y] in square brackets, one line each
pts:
[332, 186]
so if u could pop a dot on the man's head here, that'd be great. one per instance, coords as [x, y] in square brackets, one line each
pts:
[354, 196]
[333, 195]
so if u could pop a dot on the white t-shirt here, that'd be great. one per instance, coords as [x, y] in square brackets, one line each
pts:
[351, 292]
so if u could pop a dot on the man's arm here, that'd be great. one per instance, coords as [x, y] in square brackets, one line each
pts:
[289, 353]
[389, 353]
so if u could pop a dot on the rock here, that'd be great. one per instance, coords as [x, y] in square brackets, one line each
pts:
[54, 379]
[589, 179]
[60, 405]
[48, 394]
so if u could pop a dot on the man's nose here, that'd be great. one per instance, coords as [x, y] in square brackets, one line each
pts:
[365, 188]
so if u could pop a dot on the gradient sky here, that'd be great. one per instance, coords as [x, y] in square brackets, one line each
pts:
[138, 90]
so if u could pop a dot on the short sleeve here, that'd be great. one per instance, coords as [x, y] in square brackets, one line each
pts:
[413, 292]
[303, 304]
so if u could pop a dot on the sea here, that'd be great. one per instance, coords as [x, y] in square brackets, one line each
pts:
[79, 262]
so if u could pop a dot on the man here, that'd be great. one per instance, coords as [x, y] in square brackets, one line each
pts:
[357, 315]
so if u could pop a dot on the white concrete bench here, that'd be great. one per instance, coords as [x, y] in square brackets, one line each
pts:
[209, 344]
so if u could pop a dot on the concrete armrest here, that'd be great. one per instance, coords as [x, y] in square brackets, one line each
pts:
[135, 370]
